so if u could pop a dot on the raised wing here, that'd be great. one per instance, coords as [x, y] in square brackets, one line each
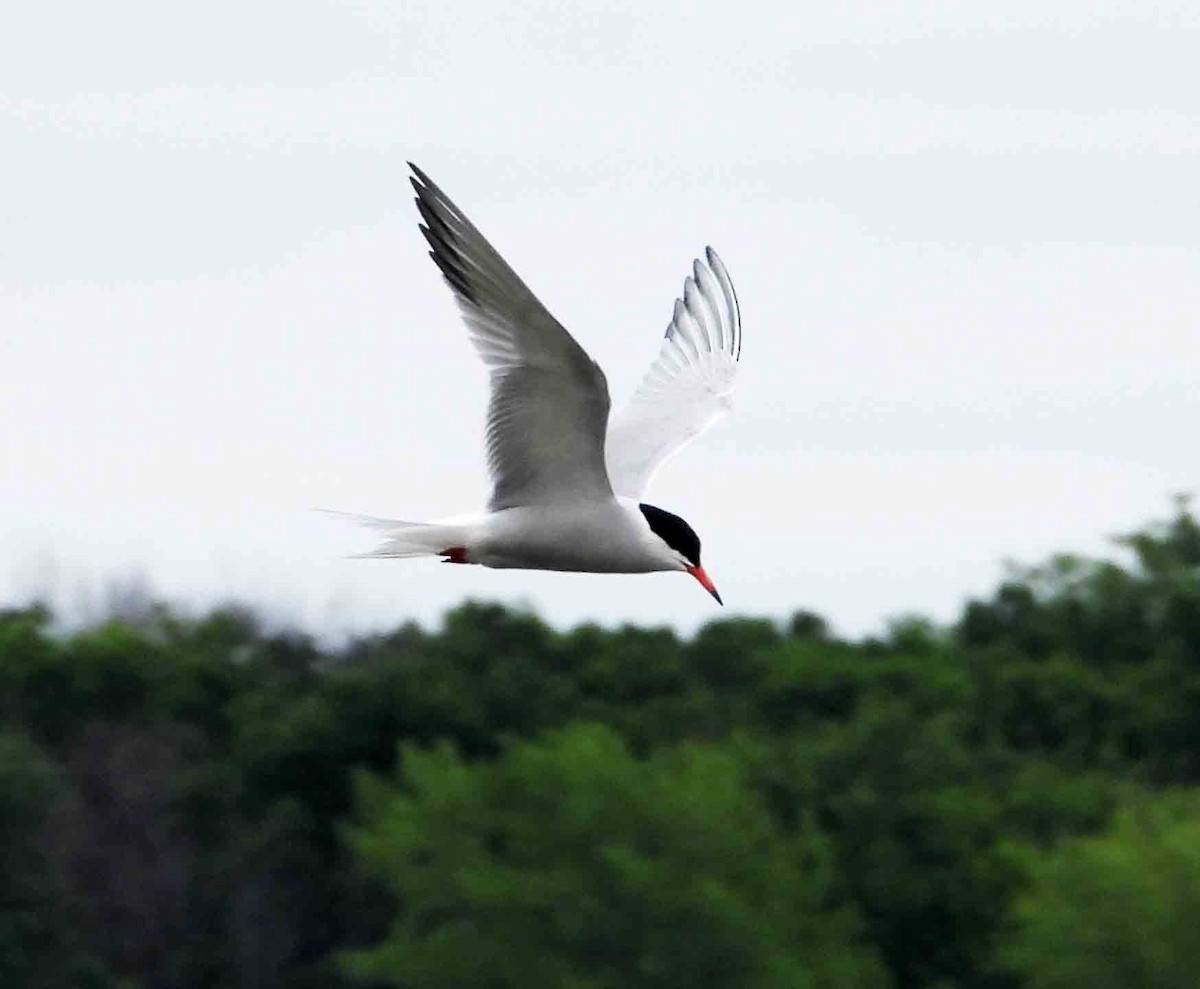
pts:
[549, 404]
[688, 387]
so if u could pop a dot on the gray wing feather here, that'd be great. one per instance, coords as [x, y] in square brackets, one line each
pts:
[549, 401]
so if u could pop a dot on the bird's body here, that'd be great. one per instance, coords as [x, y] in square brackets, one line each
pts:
[568, 484]
[602, 536]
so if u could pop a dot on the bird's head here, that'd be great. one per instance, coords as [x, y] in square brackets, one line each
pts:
[682, 545]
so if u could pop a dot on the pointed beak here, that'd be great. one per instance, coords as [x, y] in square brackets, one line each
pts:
[700, 575]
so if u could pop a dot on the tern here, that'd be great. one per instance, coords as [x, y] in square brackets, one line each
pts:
[568, 483]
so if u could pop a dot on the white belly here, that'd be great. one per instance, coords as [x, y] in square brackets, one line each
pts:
[598, 538]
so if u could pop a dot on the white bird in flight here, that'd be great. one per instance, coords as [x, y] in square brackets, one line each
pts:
[568, 482]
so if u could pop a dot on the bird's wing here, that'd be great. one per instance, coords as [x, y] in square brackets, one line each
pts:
[688, 387]
[549, 404]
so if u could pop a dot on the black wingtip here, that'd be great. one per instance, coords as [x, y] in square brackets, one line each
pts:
[419, 181]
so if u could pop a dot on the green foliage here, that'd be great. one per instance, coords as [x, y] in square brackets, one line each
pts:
[1117, 910]
[38, 949]
[569, 862]
[759, 804]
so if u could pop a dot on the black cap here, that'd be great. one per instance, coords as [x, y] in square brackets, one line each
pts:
[675, 532]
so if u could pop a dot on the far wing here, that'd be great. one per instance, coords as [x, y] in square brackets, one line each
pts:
[549, 405]
[688, 387]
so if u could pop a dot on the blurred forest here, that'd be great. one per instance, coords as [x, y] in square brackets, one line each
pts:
[1010, 801]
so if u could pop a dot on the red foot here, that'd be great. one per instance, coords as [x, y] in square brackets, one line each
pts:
[455, 554]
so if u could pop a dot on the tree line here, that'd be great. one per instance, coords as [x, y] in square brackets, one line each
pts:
[1009, 801]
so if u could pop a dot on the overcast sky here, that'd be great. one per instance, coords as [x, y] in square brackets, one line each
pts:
[965, 238]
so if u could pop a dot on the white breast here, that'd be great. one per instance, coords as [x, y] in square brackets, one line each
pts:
[591, 537]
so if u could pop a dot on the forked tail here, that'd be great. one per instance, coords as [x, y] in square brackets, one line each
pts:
[409, 539]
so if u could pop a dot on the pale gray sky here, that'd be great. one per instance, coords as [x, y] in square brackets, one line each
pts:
[965, 238]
